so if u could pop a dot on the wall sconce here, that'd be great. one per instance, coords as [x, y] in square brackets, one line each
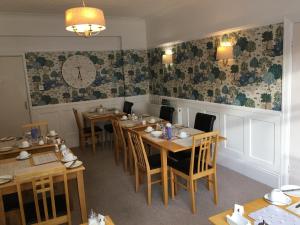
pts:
[167, 58]
[225, 50]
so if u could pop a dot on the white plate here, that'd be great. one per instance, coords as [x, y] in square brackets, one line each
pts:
[76, 164]
[22, 147]
[291, 193]
[148, 131]
[7, 178]
[71, 160]
[124, 119]
[285, 201]
[18, 157]
[152, 122]
[6, 149]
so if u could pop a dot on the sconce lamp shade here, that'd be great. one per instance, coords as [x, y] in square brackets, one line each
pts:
[85, 21]
[167, 59]
[224, 52]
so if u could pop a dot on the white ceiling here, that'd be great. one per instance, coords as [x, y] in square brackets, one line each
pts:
[121, 8]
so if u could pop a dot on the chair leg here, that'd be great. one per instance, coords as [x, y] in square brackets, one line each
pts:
[137, 179]
[208, 185]
[175, 185]
[82, 142]
[196, 185]
[172, 183]
[125, 159]
[149, 188]
[215, 189]
[192, 193]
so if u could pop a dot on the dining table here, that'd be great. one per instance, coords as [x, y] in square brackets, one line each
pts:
[249, 207]
[14, 167]
[94, 117]
[174, 145]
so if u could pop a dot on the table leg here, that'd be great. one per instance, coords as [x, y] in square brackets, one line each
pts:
[81, 193]
[164, 175]
[2, 213]
[93, 136]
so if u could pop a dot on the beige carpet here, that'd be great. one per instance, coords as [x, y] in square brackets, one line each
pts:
[111, 191]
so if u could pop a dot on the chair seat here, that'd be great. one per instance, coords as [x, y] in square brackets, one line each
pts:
[10, 202]
[154, 161]
[88, 130]
[184, 165]
[108, 128]
[179, 155]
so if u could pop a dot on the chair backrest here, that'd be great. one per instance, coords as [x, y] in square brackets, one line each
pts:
[204, 122]
[42, 127]
[139, 153]
[118, 132]
[78, 121]
[166, 113]
[203, 145]
[42, 187]
[127, 108]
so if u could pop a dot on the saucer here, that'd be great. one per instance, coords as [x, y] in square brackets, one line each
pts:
[53, 135]
[6, 178]
[295, 193]
[123, 119]
[27, 157]
[70, 160]
[148, 131]
[149, 121]
[286, 201]
[76, 164]
[22, 147]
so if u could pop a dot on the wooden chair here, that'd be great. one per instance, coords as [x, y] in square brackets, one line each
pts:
[197, 167]
[149, 165]
[85, 132]
[45, 205]
[42, 127]
[120, 143]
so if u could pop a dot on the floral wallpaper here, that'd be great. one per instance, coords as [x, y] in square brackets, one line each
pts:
[47, 86]
[252, 79]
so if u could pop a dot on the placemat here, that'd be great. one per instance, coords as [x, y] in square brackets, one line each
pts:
[40, 159]
[154, 139]
[9, 168]
[186, 142]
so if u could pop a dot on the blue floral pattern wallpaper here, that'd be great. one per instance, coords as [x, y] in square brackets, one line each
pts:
[252, 79]
[47, 86]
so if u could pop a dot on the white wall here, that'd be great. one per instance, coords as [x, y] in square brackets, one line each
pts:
[294, 167]
[27, 32]
[194, 19]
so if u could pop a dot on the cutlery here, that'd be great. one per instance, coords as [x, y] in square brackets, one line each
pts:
[295, 189]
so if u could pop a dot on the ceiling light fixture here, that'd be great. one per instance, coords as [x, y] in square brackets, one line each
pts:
[85, 21]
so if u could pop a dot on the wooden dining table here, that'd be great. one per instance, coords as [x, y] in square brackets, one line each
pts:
[13, 167]
[95, 117]
[165, 146]
[220, 219]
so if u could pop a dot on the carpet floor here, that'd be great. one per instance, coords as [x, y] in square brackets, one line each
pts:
[110, 191]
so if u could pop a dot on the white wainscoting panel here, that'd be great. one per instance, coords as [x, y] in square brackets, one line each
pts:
[253, 143]
[61, 117]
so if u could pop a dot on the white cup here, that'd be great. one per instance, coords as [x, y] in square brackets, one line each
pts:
[100, 110]
[41, 142]
[25, 144]
[117, 111]
[52, 132]
[277, 195]
[152, 120]
[23, 154]
[183, 134]
[144, 122]
[124, 117]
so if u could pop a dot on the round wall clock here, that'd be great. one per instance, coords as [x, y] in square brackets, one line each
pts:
[79, 71]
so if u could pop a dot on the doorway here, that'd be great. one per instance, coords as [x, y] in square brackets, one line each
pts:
[13, 96]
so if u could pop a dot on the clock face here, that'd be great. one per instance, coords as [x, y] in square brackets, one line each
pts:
[79, 71]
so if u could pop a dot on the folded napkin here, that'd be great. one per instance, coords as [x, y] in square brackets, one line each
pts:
[6, 177]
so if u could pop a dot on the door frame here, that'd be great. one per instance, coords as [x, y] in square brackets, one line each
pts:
[22, 55]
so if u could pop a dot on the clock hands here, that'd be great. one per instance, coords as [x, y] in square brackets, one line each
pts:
[79, 73]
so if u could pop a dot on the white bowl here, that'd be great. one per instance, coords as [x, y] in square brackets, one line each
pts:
[156, 133]
[149, 129]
